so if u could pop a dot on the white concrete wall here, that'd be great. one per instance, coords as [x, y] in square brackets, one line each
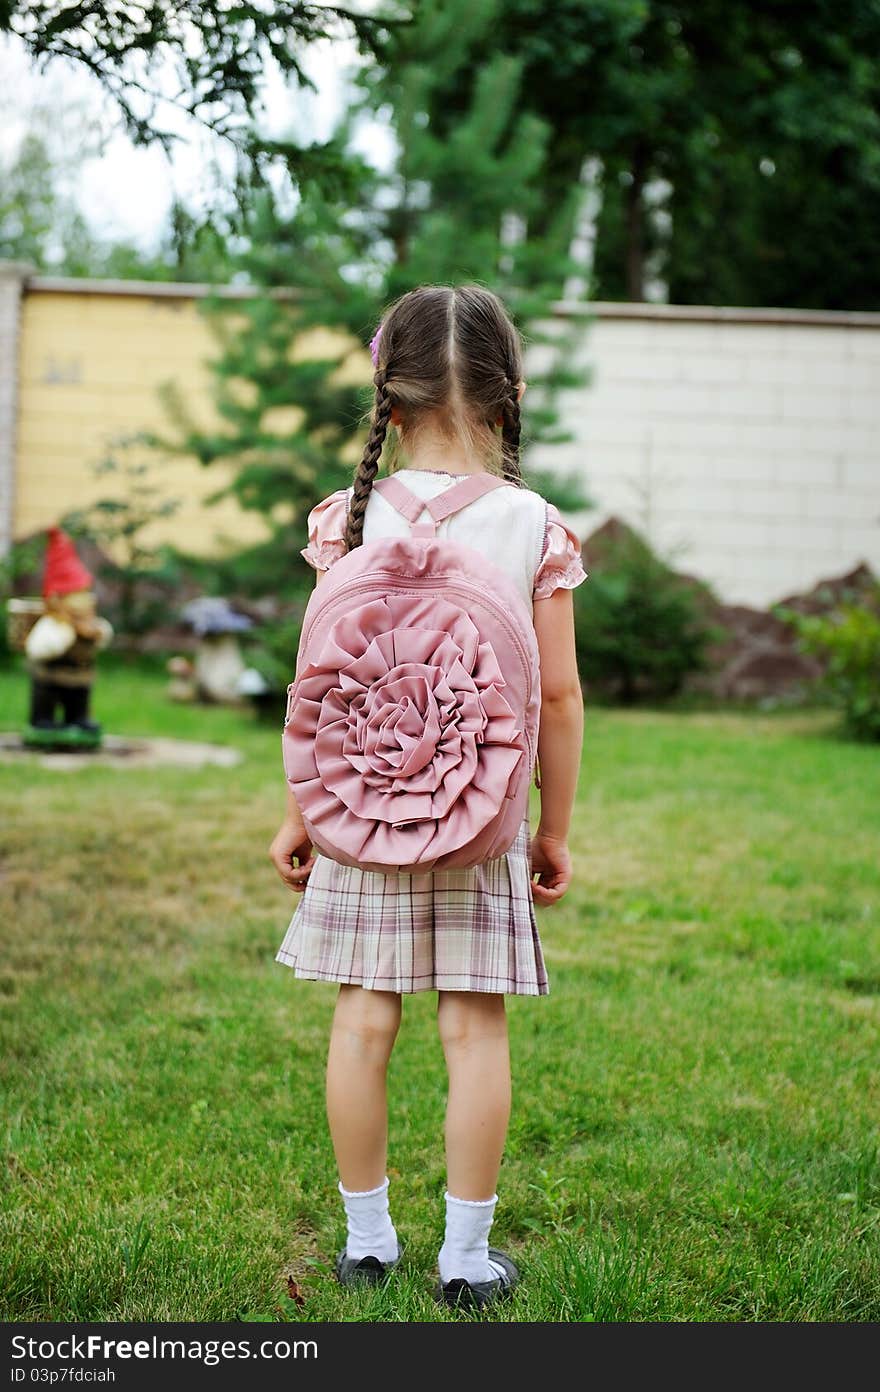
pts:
[745, 444]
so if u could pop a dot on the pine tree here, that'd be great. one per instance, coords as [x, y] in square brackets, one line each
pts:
[451, 209]
[287, 419]
[467, 184]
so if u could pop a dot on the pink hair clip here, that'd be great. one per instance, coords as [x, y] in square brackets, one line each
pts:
[374, 346]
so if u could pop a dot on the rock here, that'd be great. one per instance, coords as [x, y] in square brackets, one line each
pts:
[856, 585]
[757, 658]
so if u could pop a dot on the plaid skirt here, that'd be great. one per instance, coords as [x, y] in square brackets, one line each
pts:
[444, 930]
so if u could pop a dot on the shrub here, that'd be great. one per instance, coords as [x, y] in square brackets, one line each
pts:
[847, 639]
[23, 559]
[639, 627]
[271, 648]
[139, 577]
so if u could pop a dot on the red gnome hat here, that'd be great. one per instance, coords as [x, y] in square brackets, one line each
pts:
[64, 572]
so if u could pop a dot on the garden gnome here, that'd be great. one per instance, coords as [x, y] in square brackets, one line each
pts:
[61, 648]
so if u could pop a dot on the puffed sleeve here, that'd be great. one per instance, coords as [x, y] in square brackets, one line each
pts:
[327, 531]
[560, 566]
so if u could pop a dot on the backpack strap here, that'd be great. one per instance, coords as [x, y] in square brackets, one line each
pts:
[452, 500]
[400, 497]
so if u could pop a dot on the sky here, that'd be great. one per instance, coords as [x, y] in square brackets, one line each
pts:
[126, 191]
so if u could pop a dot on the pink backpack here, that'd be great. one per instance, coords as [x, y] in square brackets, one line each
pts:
[410, 734]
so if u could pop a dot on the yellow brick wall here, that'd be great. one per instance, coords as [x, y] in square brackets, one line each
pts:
[90, 365]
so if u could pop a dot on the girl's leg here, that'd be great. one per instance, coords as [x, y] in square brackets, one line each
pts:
[473, 1030]
[365, 1027]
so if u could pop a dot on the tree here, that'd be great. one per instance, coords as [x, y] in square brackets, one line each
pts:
[141, 575]
[216, 52]
[783, 205]
[290, 421]
[284, 419]
[29, 204]
[719, 128]
[465, 199]
[41, 222]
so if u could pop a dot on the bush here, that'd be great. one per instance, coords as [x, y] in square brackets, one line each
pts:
[23, 559]
[847, 639]
[138, 576]
[271, 648]
[639, 627]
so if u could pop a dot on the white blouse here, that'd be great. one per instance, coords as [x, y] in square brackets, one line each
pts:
[517, 528]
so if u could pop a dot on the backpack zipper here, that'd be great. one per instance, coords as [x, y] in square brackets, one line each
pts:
[461, 585]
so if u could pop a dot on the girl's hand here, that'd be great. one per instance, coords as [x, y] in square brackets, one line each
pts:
[551, 862]
[292, 843]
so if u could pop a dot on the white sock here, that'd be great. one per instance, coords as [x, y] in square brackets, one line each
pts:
[370, 1230]
[465, 1251]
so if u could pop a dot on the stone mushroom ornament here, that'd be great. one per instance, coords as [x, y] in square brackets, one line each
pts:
[60, 650]
[219, 664]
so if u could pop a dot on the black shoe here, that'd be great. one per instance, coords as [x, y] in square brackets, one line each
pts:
[476, 1294]
[367, 1271]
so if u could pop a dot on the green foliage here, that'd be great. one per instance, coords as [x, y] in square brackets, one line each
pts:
[328, 254]
[284, 419]
[272, 647]
[28, 203]
[141, 575]
[717, 126]
[466, 200]
[720, 127]
[639, 627]
[217, 54]
[41, 222]
[22, 559]
[848, 641]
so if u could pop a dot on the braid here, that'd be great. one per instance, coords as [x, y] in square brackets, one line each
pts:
[369, 465]
[510, 433]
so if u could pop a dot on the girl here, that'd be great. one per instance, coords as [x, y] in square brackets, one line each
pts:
[448, 373]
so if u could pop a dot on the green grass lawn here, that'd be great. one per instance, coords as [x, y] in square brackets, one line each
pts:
[695, 1124]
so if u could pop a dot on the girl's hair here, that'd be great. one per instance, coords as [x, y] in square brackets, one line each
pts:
[452, 353]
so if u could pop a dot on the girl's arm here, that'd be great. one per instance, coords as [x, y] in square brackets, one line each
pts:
[291, 843]
[560, 738]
